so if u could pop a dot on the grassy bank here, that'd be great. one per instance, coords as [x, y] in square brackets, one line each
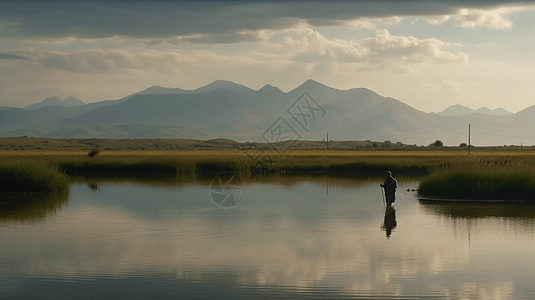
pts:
[511, 179]
[165, 163]
[31, 176]
[484, 175]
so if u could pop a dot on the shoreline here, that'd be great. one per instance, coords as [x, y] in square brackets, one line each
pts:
[443, 174]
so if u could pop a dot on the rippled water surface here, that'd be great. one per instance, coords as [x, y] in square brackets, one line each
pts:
[291, 237]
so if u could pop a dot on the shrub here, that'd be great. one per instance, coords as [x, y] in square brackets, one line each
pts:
[437, 143]
[387, 144]
[93, 152]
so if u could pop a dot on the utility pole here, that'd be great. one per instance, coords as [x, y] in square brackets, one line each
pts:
[327, 140]
[468, 139]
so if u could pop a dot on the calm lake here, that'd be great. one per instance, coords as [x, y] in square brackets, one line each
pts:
[290, 237]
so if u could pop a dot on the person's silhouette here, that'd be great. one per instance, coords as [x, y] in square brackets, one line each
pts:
[390, 185]
[390, 221]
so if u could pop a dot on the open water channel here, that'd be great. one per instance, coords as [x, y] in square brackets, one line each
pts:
[290, 237]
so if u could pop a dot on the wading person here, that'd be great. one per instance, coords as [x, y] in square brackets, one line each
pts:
[390, 185]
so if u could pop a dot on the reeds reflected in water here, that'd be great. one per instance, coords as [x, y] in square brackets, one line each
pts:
[20, 209]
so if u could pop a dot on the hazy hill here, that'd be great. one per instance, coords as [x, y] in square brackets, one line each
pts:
[133, 131]
[494, 112]
[527, 114]
[18, 118]
[72, 101]
[460, 110]
[218, 84]
[55, 101]
[52, 101]
[173, 109]
[155, 90]
[238, 112]
[5, 108]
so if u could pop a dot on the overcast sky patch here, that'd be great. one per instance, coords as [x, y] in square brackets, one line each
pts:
[4, 55]
[208, 19]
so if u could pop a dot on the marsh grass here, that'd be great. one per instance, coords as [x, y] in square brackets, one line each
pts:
[31, 176]
[484, 179]
[485, 175]
[356, 166]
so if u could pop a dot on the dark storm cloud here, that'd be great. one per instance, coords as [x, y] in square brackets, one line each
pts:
[4, 55]
[98, 19]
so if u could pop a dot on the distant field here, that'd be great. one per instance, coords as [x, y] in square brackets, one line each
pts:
[44, 144]
[446, 172]
[288, 154]
[330, 161]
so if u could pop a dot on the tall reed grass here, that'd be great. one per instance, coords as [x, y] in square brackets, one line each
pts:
[31, 176]
[491, 179]
[444, 174]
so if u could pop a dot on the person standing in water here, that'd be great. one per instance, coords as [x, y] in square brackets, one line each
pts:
[390, 185]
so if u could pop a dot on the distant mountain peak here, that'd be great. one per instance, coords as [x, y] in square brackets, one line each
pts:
[55, 101]
[52, 99]
[460, 110]
[157, 89]
[73, 101]
[223, 84]
[269, 87]
[311, 82]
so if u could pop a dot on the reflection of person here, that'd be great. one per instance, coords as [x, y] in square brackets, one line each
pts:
[390, 221]
[390, 185]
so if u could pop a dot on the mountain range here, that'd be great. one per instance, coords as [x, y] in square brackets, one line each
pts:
[55, 101]
[459, 110]
[229, 110]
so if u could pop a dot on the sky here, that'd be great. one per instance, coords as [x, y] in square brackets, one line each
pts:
[427, 54]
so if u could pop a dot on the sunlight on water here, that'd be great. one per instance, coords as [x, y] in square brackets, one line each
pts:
[296, 237]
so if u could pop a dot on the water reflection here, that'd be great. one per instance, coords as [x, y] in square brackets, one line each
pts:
[389, 221]
[93, 185]
[30, 208]
[286, 181]
[467, 210]
[289, 239]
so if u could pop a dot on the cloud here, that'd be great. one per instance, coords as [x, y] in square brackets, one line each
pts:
[5, 55]
[113, 61]
[437, 20]
[226, 21]
[448, 86]
[474, 18]
[491, 17]
[302, 46]
[223, 38]
[98, 61]
[452, 85]
[383, 51]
